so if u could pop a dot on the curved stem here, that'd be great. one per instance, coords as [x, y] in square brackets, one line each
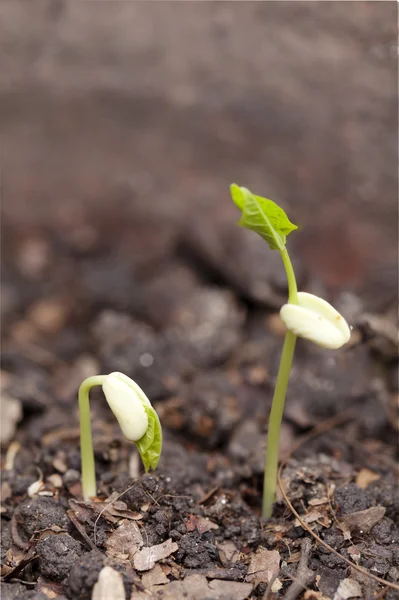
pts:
[292, 287]
[89, 487]
[276, 415]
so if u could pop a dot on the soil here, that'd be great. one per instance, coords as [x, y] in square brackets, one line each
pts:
[207, 355]
[148, 274]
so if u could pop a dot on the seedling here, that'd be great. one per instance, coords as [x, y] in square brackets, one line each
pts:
[137, 419]
[305, 315]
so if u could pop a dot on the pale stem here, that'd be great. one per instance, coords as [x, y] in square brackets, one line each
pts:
[276, 415]
[89, 486]
[292, 287]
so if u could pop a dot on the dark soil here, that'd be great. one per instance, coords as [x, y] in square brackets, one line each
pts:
[208, 360]
[153, 278]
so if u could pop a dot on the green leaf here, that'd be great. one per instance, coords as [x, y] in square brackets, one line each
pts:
[150, 445]
[263, 216]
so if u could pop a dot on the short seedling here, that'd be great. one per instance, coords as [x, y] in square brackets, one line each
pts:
[305, 315]
[137, 419]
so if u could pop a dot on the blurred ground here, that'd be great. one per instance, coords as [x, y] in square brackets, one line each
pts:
[122, 125]
[162, 104]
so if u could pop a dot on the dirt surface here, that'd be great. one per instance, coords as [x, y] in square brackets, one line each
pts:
[121, 253]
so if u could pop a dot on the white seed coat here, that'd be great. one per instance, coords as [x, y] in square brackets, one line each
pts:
[316, 320]
[126, 399]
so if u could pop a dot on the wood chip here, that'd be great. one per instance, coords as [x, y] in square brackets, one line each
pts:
[109, 585]
[264, 566]
[364, 520]
[146, 558]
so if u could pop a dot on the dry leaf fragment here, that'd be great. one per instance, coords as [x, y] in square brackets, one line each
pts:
[234, 590]
[82, 512]
[345, 530]
[365, 477]
[196, 587]
[5, 491]
[154, 577]
[318, 501]
[276, 585]
[354, 553]
[228, 552]
[364, 520]
[109, 585]
[314, 515]
[264, 566]
[125, 514]
[348, 588]
[51, 589]
[192, 587]
[201, 524]
[146, 558]
[294, 558]
[125, 540]
[13, 558]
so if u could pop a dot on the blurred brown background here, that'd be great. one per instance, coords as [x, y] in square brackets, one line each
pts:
[121, 116]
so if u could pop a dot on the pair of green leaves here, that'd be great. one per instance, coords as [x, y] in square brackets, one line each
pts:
[263, 216]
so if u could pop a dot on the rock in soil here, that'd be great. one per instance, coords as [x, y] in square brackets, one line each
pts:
[350, 498]
[84, 574]
[57, 554]
[198, 551]
[41, 513]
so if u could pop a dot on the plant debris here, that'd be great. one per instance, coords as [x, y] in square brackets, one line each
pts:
[146, 558]
[364, 520]
[264, 567]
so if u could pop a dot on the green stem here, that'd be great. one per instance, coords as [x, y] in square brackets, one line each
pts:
[276, 415]
[89, 487]
[292, 287]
